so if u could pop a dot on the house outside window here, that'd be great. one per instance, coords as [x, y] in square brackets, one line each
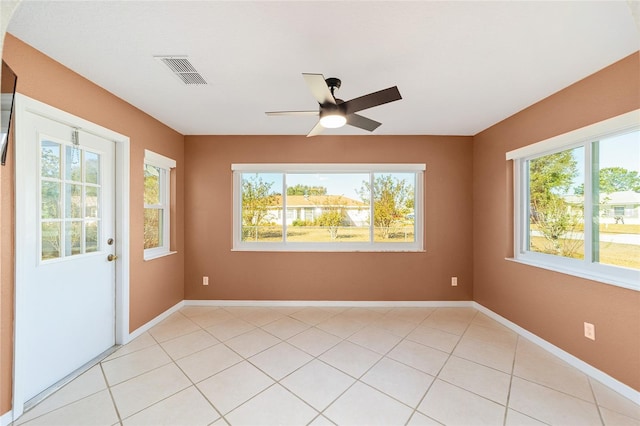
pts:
[157, 201]
[329, 207]
[577, 202]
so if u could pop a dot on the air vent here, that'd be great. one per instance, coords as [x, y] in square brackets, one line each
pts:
[183, 69]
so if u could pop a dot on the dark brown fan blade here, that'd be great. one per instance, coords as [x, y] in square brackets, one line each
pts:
[305, 113]
[319, 88]
[362, 122]
[372, 99]
[316, 130]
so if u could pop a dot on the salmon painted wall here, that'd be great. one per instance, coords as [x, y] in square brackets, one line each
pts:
[549, 304]
[328, 276]
[155, 285]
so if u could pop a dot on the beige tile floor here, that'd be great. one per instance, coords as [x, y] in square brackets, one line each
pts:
[325, 366]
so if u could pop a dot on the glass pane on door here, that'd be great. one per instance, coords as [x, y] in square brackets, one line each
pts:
[70, 200]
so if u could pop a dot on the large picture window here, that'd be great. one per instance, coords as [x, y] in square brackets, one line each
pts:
[577, 202]
[328, 207]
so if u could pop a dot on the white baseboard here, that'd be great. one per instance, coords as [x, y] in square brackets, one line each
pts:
[334, 303]
[140, 330]
[6, 418]
[588, 369]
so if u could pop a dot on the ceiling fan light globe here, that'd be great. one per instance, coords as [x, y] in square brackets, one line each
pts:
[333, 121]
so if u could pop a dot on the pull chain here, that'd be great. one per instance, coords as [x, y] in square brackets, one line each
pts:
[75, 140]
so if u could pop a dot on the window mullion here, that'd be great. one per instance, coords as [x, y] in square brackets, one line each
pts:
[284, 208]
[371, 210]
[591, 196]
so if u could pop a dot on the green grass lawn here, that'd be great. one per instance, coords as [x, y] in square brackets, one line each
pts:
[627, 255]
[346, 234]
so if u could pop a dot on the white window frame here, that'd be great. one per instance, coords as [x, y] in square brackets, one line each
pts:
[584, 268]
[415, 246]
[165, 165]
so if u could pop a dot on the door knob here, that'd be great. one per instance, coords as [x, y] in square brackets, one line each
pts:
[112, 257]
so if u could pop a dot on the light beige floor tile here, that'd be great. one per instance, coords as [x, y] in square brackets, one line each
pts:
[482, 319]
[188, 344]
[318, 384]
[608, 398]
[537, 365]
[350, 358]
[613, 418]
[453, 326]
[419, 419]
[418, 356]
[394, 325]
[363, 405]
[451, 320]
[412, 315]
[434, 338]
[550, 406]
[262, 317]
[280, 360]
[242, 311]
[140, 392]
[134, 364]
[220, 422]
[451, 405]
[229, 329]
[491, 335]
[375, 338]
[363, 316]
[96, 409]
[287, 310]
[312, 316]
[252, 342]
[484, 381]
[193, 311]
[321, 421]
[274, 406]
[172, 327]
[286, 327]
[339, 326]
[208, 362]
[499, 357]
[90, 382]
[515, 418]
[234, 386]
[400, 381]
[187, 407]
[314, 341]
[141, 342]
[210, 318]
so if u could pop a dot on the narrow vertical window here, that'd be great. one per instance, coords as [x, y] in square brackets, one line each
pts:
[157, 201]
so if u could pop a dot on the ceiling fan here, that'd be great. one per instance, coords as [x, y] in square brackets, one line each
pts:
[335, 112]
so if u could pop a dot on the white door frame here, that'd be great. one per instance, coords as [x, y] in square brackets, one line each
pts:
[25, 166]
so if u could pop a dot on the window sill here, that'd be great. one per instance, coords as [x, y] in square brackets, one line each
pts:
[631, 284]
[158, 255]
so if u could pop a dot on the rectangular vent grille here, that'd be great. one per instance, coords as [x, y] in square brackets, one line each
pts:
[183, 69]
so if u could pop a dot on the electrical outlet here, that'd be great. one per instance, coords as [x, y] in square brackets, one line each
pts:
[205, 280]
[454, 281]
[589, 331]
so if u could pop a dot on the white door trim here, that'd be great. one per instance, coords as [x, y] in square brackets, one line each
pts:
[23, 168]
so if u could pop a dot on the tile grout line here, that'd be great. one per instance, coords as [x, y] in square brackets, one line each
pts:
[113, 401]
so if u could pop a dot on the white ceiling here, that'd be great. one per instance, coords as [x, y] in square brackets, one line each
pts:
[460, 66]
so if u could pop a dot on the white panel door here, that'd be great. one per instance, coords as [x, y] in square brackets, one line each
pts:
[69, 281]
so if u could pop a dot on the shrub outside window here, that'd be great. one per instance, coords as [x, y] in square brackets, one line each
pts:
[328, 207]
[577, 202]
[157, 198]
